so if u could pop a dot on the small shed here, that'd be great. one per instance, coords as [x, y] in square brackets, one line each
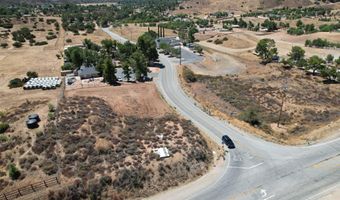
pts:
[163, 152]
[87, 72]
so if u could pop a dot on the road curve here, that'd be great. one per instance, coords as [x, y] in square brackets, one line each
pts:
[257, 169]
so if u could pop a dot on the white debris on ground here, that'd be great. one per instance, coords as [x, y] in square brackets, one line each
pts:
[162, 152]
[44, 83]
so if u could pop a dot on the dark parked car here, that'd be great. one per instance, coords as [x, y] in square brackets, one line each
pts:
[227, 141]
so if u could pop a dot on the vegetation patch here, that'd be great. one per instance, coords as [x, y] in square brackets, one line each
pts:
[109, 154]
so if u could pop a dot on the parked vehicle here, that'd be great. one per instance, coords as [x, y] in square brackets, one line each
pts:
[227, 141]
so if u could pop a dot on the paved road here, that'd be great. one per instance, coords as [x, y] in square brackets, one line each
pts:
[257, 169]
[115, 36]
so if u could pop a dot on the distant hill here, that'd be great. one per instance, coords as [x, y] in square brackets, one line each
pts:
[210, 6]
[3, 2]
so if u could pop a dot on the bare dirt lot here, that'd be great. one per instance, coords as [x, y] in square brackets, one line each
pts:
[129, 99]
[132, 31]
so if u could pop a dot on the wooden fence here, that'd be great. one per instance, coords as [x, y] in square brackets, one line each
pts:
[29, 189]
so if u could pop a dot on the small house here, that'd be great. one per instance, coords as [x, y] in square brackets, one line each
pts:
[86, 72]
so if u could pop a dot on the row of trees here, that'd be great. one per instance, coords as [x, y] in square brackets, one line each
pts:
[267, 50]
[302, 28]
[291, 13]
[321, 43]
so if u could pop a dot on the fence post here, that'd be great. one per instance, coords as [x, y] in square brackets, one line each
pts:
[45, 184]
[32, 188]
[19, 192]
[5, 196]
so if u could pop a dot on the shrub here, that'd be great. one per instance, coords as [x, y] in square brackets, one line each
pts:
[3, 127]
[14, 83]
[3, 138]
[251, 116]
[68, 40]
[32, 74]
[218, 41]
[189, 75]
[17, 44]
[4, 45]
[41, 43]
[51, 37]
[13, 172]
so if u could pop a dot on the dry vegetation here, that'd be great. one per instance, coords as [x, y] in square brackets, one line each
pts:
[211, 6]
[112, 154]
[310, 106]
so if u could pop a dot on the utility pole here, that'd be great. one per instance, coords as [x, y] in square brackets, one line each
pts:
[283, 95]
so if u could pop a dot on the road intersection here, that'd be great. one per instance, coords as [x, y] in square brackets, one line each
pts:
[257, 169]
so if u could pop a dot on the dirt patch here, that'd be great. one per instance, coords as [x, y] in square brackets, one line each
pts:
[140, 99]
[217, 64]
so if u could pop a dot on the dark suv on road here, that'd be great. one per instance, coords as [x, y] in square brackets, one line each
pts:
[227, 141]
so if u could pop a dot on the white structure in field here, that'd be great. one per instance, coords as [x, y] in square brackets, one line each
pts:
[43, 83]
[162, 152]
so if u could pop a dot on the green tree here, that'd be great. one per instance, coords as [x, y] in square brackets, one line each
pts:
[76, 56]
[296, 54]
[337, 61]
[13, 172]
[270, 25]
[108, 45]
[139, 64]
[266, 50]
[109, 72]
[329, 73]
[147, 44]
[127, 71]
[191, 34]
[329, 58]
[315, 63]
[88, 44]
[126, 50]
[32, 74]
[299, 23]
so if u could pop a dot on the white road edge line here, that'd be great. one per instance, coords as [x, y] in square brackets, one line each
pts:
[325, 191]
[246, 168]
[269, 197]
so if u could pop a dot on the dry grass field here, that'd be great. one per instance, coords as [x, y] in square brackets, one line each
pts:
[132, 31]
[236, 6]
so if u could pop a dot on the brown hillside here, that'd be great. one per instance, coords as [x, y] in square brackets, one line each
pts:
[211, 6]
